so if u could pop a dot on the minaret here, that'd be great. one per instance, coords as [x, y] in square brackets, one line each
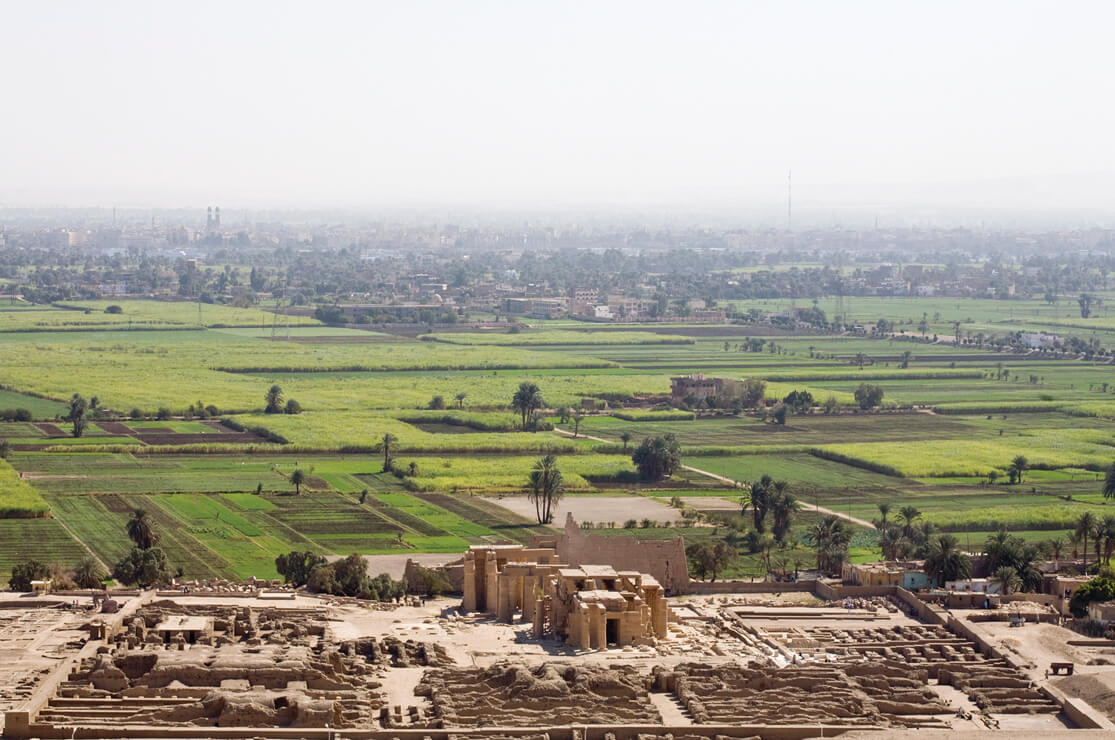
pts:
[217, 219]
[209, 218]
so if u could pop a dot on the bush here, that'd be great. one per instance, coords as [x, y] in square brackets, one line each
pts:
[5, 449]
[630, 524]
[143, 567]
[1101, 588]
[136, 413]
[25, 572]
[163, 414]
[15, 415]
[292, 407]
[114, 309]
[437, 403]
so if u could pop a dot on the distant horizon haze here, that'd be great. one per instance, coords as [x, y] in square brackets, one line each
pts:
[956, 109]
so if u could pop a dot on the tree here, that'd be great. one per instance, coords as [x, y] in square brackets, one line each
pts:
[140, 530]
[25, 572]
[830, 537]
[142, 567]
[460, 397]
[437, 403]
[656, 458]
[88, 573]
[1084, 526]
[295, 567]
[868, 396]
[114, 309]
[1056, 549]
[625, 437]
[6, 449]
[752, 391]
[77, 414]
[706, 560]
[1008, 580]
[831, 405]
[758, 499]
[297, 478]
[1109, 482]
[884, 510]
[783, 506]
[779, 414]
[944, 561]
[1086, 302]
[388, 440]
[292, 407]
[1097, 589]
[274, 399]
[909, 515]
[526, 400]
[1018, 466]
[578, 417]
[799, 401]
[545, 487]
[563, 414]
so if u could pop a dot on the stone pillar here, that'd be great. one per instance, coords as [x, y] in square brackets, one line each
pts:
[491, 584]
[468, 603]
[598, 626]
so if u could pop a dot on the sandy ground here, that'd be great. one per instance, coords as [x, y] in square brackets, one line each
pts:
[597, 509]
[1098, 689]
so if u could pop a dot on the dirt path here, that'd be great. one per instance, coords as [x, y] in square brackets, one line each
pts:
[734, 483]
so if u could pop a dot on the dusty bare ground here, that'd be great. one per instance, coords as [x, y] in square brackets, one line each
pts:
[596, 509]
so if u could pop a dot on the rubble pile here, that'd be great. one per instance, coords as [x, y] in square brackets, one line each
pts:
[548, 694]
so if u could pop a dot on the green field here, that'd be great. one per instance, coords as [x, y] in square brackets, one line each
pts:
[356, 386]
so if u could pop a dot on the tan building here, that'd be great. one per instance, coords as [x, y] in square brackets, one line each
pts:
[592, 606]
[694, 385]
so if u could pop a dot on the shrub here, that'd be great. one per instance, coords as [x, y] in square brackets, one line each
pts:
[292, 407]
[25, 572]
[437, 403]
[114, 309]
[136, 413]
[163, 414]
[15, 415]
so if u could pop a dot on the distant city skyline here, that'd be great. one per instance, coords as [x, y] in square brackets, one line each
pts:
[946, 112]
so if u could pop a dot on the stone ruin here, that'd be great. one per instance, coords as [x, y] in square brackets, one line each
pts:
[217, 666]
[883, 694]
[549, 694]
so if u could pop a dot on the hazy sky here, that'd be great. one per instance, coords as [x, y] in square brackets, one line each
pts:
[538, 103]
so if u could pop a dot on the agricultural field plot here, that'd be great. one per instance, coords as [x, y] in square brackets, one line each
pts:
[505, 524]
[803, 471]
[799, 430]
[41, 539]
[597, 509]
[1049, 449]
[975, 509]
[84, 315]
[40, 408]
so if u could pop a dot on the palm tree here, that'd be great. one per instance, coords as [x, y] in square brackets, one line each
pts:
[88, 573]
[461, 400]
[1109, 482]
[1018, 466]
[759, 501]
[1056, 547]
[298, 477]
[625, 437]
[1084, 526]
[909, 515]
[945, 561]
[578, 417]
[140, 530]
[884, 509]
[274, 399]
[830, 538]
[388, 440]
[1107, 528]
[889, 542]
[545, 488]
[782, 508]
[527, 400]
[1008, 580]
